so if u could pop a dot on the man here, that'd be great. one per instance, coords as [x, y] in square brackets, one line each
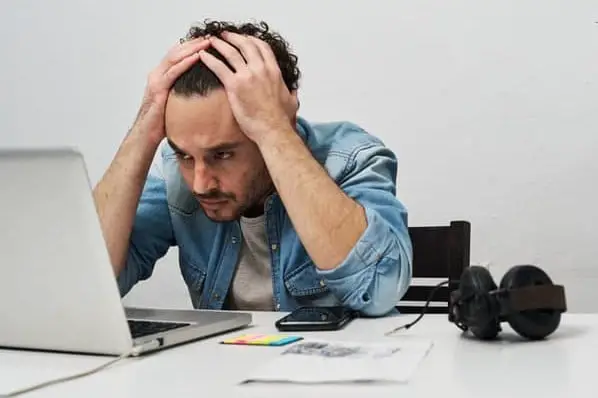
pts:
[268, 211]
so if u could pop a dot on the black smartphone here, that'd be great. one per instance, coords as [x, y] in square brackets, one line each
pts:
[309, 319]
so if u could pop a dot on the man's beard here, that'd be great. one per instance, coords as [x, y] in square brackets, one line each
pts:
[260, 187]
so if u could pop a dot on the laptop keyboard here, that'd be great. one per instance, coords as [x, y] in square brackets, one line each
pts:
[144, 328]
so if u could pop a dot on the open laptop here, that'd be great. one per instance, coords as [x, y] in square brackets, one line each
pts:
[58, 291]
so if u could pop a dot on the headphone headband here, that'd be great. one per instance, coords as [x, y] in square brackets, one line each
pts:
[538, 297]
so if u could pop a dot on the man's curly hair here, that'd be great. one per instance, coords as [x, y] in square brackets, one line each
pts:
[200, 80]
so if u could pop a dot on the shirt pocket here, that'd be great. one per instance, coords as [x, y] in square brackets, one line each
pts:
[195, 278]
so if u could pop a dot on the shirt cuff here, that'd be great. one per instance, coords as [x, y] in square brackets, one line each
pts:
[373, 275]
[375, 243]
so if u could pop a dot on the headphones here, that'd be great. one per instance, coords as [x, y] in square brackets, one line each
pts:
[526, 299]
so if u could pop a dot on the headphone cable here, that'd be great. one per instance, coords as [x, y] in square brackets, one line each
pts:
[430, 297]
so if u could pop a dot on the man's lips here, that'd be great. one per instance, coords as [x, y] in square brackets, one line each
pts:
[212, 202]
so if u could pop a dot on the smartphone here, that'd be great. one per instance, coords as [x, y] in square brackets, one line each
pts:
[309, 319]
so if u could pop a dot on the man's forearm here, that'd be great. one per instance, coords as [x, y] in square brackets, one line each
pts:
[328, 222]
[117, 194]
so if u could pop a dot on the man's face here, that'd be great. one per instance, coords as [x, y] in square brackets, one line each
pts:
[221, 166]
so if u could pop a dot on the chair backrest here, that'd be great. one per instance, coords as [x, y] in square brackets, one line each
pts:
[439, 253]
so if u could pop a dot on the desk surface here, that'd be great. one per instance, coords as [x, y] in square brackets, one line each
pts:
[563, 366]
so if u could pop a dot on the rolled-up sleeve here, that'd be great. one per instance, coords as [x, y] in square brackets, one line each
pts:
[377, 271]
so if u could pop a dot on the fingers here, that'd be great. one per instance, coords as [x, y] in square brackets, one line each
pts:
[221, 71]
[242, 53]
[246, 46]
[231, 54]
[179, 68]
[181, 51]
[178, 60]
[266, 53]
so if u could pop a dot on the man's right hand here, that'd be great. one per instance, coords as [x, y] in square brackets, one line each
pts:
[150, 118]
[118, 192]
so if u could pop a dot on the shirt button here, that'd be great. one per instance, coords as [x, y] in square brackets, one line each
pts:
[322, 282]
[216, 296]
[277, 306]
[274, 246]
[234, 239]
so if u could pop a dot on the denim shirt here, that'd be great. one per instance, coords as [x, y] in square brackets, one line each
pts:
[371, 279]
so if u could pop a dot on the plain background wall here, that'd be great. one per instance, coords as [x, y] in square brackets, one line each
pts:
[491, 106]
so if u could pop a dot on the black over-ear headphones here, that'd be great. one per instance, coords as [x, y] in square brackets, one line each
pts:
[526, 299]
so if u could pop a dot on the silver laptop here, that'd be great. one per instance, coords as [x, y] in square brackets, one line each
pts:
[58, 291]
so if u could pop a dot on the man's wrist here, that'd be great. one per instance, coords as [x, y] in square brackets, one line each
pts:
[147, 141]
[275, 137]
[140, 145]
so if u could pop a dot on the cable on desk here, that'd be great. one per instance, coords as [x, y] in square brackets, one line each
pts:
[430, 297]
[48, 383]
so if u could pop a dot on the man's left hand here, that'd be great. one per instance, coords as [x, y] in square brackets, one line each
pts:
[258, 96]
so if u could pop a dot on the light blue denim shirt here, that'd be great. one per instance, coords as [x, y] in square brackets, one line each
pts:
[371, 279]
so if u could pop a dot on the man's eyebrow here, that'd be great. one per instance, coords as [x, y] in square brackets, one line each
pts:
[224, 147]
[227, 146]
[174, 146]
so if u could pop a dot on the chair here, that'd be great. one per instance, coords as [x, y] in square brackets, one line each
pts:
[439, 252]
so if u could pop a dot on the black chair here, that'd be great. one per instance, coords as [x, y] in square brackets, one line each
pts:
[439, 252]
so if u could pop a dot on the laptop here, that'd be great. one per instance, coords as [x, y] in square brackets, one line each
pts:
[58, 291]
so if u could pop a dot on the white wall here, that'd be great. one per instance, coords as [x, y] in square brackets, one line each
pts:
[491, 106]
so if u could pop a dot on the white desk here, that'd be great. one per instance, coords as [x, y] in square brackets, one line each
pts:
[457, 366]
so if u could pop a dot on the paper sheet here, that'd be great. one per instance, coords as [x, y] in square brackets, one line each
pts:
[321, 361]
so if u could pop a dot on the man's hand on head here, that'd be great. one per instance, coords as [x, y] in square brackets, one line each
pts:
[258, 96]
[150, 118]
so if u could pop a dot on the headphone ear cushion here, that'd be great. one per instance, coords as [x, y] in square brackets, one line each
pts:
[475, 284]
[531, 324]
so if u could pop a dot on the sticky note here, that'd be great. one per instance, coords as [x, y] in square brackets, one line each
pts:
[262, 339]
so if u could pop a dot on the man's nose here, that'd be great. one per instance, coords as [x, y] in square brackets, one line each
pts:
[203, 179]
